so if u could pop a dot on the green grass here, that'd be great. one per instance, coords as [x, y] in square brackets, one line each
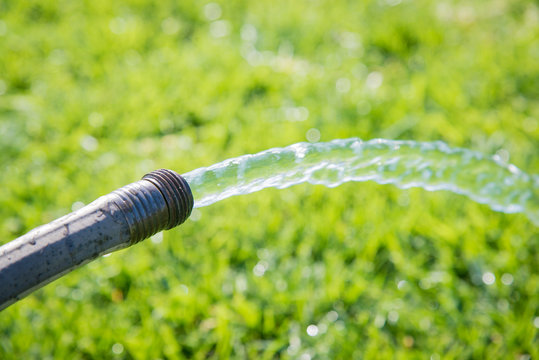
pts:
[94, 94]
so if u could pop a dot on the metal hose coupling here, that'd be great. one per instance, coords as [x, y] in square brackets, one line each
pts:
[160, 201]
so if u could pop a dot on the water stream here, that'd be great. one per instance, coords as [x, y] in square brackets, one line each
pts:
[429, 165]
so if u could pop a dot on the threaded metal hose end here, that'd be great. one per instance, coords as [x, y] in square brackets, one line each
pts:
[160, 201]
[176, 192]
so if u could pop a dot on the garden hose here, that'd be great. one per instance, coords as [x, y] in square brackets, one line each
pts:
[160, 201]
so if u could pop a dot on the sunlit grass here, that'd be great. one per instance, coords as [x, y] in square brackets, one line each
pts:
[93, 95]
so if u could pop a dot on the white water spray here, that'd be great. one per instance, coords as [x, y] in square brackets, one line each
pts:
[429, 165]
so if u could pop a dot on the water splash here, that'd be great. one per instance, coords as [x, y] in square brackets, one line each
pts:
[429, 165]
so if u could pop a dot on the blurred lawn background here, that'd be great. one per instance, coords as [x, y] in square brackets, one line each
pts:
[94, 94]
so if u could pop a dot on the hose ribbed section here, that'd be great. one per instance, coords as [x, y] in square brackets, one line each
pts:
[176, 192]
[144, 209]
[160, 201]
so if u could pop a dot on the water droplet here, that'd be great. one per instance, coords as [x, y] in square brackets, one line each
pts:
[332, 316]
[184, 288]
[89, 143]
[350, 40]
[212, 11]
[507, 279]
[488, 278]
[117, 348]
[379, 321]
[281, 285]
[313, 135]
[343, 85]
[374, 80]
[503, 305]
[118, 25]
[393, 317]
[241, 283]
[95, 119]
[249, 33]
[219, 28]
[260, 268]
[312, 330]
[170, 26]
[401, 284]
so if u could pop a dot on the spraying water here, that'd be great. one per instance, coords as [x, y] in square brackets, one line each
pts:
[429, 165]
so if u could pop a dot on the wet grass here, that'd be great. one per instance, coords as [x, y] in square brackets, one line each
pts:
[93, 95]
